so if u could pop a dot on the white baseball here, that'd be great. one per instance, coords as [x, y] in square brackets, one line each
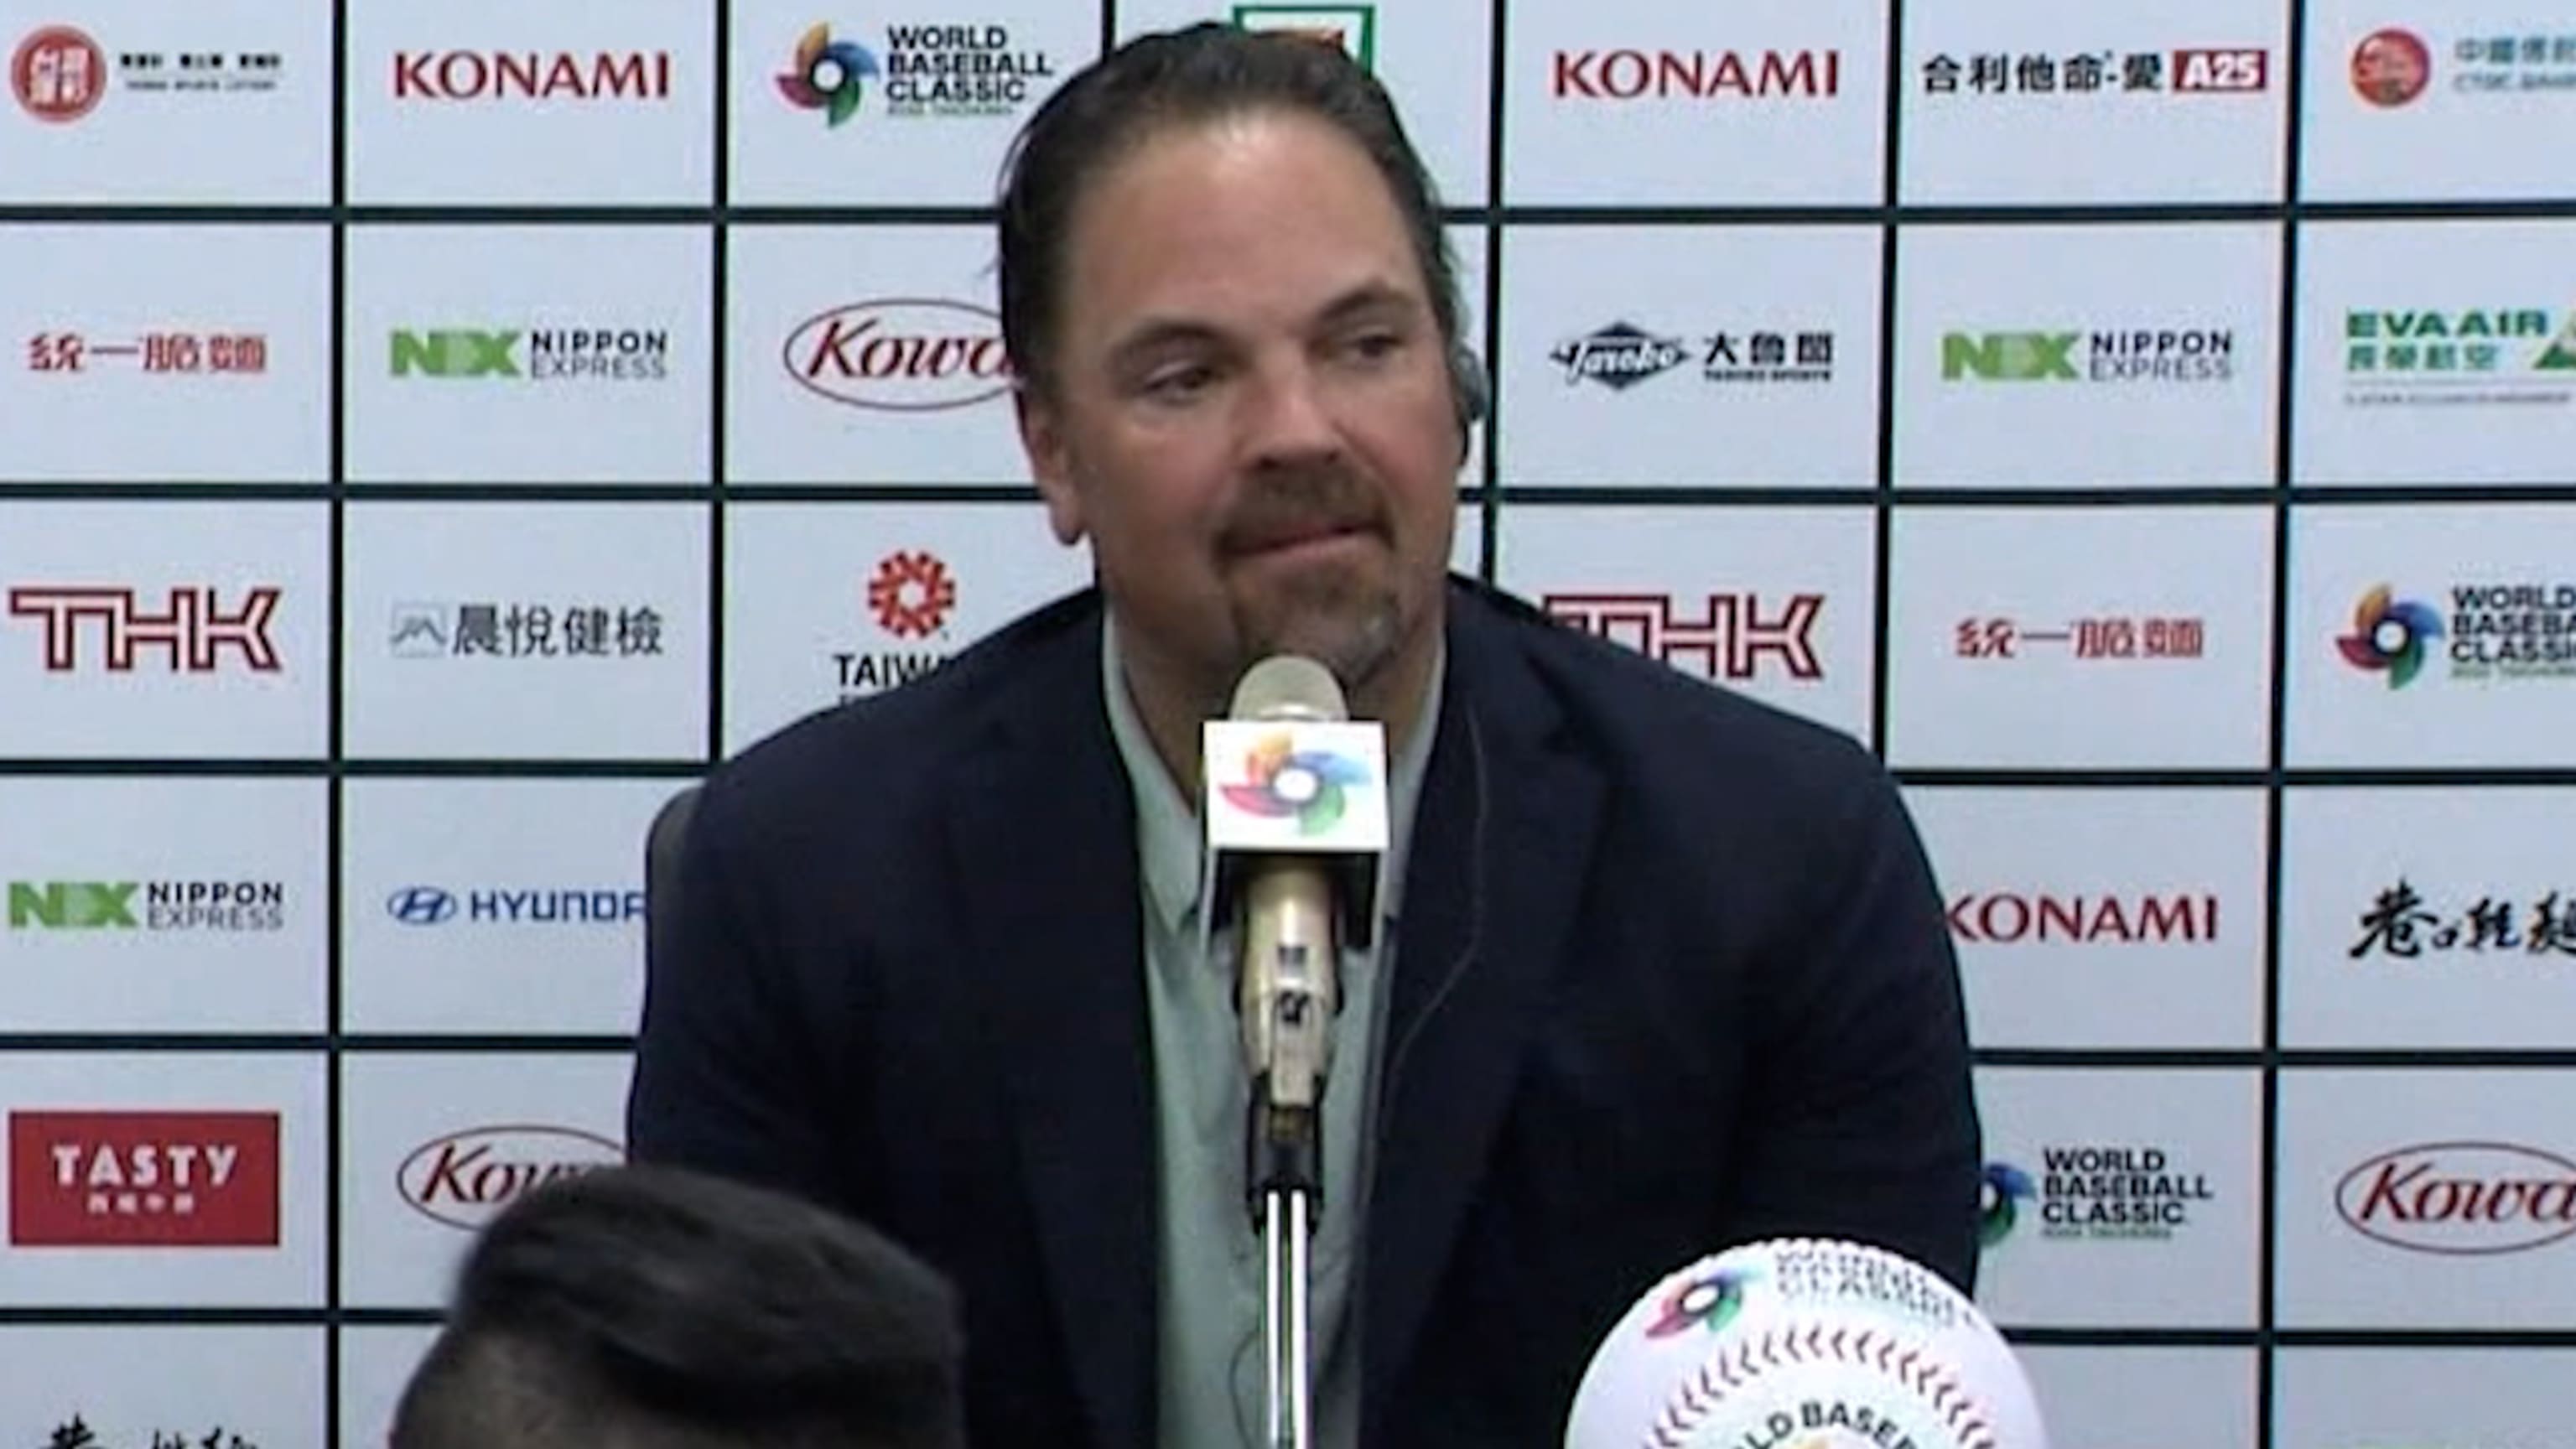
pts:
[1804, 1344]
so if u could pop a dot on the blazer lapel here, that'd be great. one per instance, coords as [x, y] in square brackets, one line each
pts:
[1501, 843]
[1043, 833]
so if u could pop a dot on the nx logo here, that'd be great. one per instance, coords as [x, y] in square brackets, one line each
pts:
[72, 905]
[193, 628]
[2010, 356]
[421, 906]
[456, 354]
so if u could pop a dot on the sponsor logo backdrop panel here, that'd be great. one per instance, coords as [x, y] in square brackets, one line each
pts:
[535, 544]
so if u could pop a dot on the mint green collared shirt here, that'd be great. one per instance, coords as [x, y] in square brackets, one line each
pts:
[1211, 1384]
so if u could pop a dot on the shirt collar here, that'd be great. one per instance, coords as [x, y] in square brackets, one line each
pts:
[1169, 844]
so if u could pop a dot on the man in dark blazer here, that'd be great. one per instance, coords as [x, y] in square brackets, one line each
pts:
[1668, 973]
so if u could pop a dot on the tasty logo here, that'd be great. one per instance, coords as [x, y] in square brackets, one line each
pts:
[829, 76]
[1308, 784]
[2388, 635]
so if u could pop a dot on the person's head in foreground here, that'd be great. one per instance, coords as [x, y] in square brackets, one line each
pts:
[1234, 320]
[652, 1308]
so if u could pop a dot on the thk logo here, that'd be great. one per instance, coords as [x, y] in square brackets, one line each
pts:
[1729, 641]
[193, 629]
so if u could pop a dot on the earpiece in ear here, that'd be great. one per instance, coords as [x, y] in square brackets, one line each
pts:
[1467, 380]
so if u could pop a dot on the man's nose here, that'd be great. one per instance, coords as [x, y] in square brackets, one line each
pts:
[1288, 416]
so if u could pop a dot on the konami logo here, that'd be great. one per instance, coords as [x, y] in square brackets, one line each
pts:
[466, 1178]
[143, 1179]
[2461, 1198]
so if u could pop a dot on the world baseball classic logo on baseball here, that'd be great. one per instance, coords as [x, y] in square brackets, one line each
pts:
[1804, 1343]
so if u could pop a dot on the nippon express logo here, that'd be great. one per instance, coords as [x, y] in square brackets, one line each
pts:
[2489, 632]
[2096, 1193]
[909, 597]
[147, 906]
[2461, 1199]
[935, 71]
[2130, 355]
[531, 355]
[430, 905]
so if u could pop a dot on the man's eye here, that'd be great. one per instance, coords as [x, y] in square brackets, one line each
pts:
[1179, 382]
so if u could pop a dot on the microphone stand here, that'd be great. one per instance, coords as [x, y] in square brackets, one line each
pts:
[1289, 1000]
[1287, 1230]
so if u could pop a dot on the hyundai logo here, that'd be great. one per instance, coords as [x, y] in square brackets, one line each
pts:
[420, 905]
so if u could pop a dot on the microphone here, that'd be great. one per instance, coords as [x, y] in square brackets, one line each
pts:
[1296, 819]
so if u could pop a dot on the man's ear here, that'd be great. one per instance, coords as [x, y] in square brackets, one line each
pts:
[1042, 437]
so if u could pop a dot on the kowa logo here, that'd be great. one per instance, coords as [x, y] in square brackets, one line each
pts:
[545, 354]
[901, 354]
[2011, 918]
[2185, 355]
[2461, 1198]
[191, 630]
[466, 1178]
[532, 75]
[195, 905]
[429, 905]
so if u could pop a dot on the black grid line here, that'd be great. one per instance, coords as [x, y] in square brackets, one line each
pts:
[334, 872]
[1881, 494]
[2267, 1206]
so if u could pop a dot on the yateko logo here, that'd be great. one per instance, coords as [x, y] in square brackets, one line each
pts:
[464, 1178]
[901, 354]
[143, 1179]
[1618, 356]
[1661, 75]
[2011, 918]
[532, 75]
[193, 629]
[2461, 1198]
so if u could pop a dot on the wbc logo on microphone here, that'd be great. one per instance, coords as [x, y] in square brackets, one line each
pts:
[1296, 785]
